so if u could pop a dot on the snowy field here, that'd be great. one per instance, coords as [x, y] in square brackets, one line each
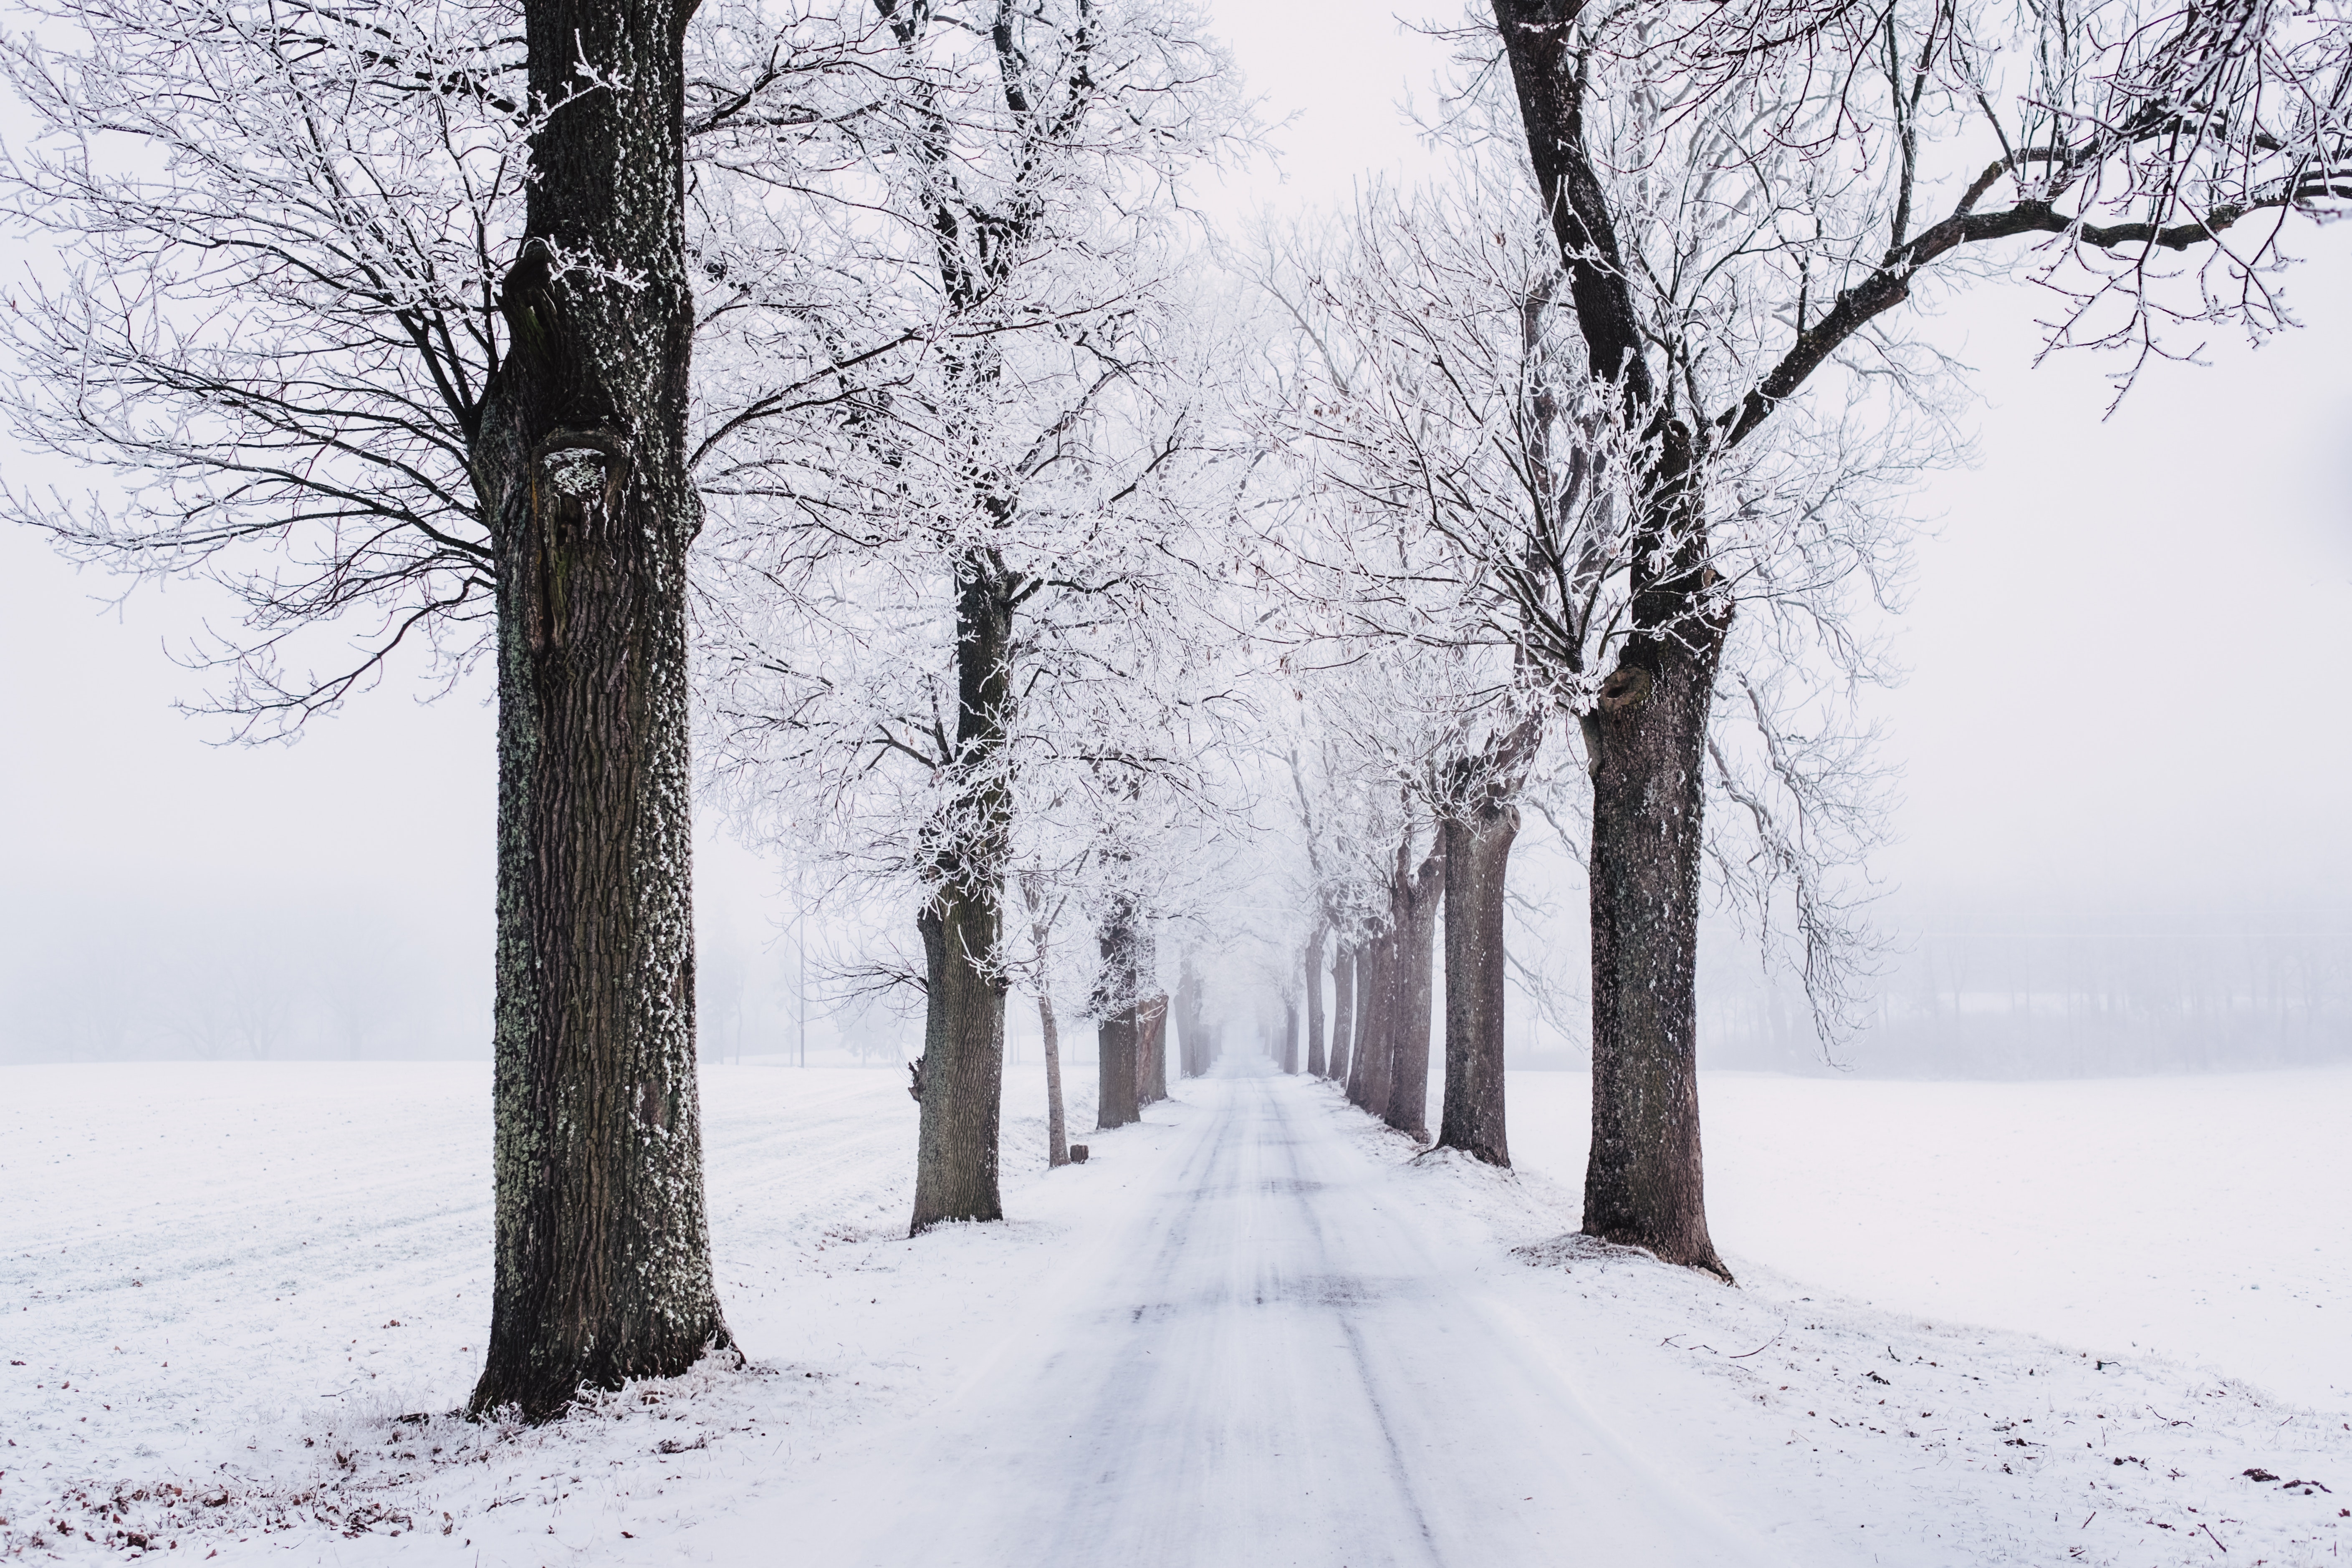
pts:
[1977, 1323]
[2205, 1219]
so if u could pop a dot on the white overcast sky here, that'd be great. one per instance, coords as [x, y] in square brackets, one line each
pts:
[2128, 645]
[2128, 638]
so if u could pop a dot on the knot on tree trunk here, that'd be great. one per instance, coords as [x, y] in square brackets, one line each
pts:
[1627, 688]
[573, 469]
[577, 477]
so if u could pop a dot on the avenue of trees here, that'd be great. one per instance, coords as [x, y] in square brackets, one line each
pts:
[837, 412]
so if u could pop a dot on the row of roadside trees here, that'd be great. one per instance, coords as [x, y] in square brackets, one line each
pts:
[1608, 437]
[844, 389]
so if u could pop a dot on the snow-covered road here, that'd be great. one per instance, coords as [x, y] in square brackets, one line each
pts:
[1258, 1355]
[238, 1302]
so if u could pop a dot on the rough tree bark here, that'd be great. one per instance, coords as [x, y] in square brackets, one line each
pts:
[1644, 1183]
[1477, 829]
[1115, 1104]
[1478, 856]
[603, 1262]
[963, 1067]
[1343, 1011]
[1118, 1035]
[1315, 1062]
[1405, 1107]
[964, 1014]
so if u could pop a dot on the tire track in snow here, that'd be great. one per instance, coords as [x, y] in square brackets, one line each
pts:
[1259, 1354]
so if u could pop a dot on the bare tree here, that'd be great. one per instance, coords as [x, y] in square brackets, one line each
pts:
[913, 538]
[386, 327]
[1736, 194]
[604, 1251]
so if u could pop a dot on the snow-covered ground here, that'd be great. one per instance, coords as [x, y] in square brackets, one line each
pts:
[1256, 1330]
[2206, 1219]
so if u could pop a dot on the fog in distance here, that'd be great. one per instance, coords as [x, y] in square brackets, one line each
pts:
[2120, 844]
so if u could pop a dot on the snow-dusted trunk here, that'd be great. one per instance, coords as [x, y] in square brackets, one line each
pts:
[962, 1075]
[1366, 968]
[1343, 1011]
[1644, 1182]
[1151, 1051]
[1478, 860]
[1041, 933]
[1115, 1104]
[1179, 1018]
[1380, 1056]
[1057, 1130]
[1315, 1063]
[1405, 1107]
[602, 1260]
[1192, 1038]
[1118, 1034]
[1291, 1034]
[1197, 1046]
[1368, 1068]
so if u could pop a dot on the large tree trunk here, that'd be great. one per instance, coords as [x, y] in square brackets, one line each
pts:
[960, 1075]
[1643, 1184]
[1315, 1063]
[1343, 1010]
[1119, 1035]
[1057, 1127]
[1379, 1058]
[1477, 859]
[1152, 1052]
[1477, 829]
[1291, 1034]
[602, 1260]
[1116, 1103]
[963, 1074]
[1406, 1105]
